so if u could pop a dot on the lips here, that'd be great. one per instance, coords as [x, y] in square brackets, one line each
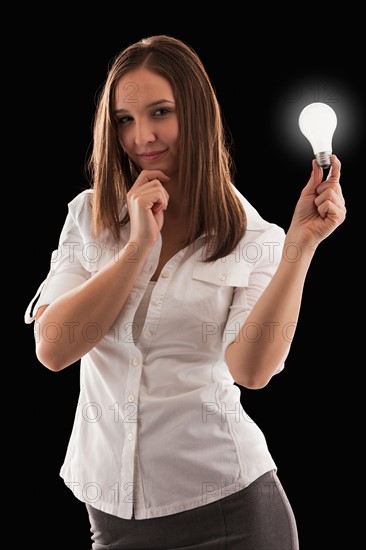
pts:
[152, 155]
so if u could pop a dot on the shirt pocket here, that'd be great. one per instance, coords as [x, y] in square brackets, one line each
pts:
[224, 272]
[214, 285]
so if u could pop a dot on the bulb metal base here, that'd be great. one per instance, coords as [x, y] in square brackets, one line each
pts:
[323, 159]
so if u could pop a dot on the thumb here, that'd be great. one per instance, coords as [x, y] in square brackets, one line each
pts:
[316, 177]
[335, 169]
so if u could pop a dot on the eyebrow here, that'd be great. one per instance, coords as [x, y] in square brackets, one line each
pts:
[153, 104]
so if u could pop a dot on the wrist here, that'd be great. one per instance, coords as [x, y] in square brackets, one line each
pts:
[298, 246]
[135, 251]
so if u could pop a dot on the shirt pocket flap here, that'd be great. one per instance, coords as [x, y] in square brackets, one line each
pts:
[223, 272]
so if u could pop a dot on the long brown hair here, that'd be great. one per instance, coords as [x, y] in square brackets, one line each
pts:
[205, 165]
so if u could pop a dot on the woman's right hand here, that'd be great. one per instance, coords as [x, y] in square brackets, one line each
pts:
[146, 200]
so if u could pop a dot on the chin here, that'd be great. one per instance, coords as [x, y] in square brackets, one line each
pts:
[163, 168]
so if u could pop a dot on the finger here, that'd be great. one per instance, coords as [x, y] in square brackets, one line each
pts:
[335, 169]
[331, 189]
[329, 209]
[151, 199]
[330, 194]
[160, 202]
[155, 189]
[149, 175]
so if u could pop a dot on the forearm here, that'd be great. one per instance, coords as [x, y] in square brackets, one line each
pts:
[265, 338]
[92, 306]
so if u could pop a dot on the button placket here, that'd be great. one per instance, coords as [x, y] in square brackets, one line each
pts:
[131, 414]
[156, 300]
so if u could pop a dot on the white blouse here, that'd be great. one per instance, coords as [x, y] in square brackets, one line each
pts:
[140, 315]
[159, 427]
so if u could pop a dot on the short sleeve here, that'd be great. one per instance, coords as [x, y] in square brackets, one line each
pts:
[67, 265]
[264, 253]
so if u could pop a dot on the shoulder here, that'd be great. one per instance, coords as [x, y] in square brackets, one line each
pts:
[81, 204]
[79, 214]
[255, 222]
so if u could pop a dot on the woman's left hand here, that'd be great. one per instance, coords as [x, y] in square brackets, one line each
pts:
[321, 206]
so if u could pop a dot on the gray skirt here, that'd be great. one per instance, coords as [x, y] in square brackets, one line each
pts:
[258, 517]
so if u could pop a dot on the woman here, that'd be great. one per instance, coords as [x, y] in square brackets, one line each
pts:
[169, 286]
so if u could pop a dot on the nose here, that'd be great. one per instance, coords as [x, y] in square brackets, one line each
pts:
[144, 132]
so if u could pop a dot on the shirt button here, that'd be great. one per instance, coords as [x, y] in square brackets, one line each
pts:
[130, 436]
[156, 302]
[130, 398]
[135, 361]
[147, 334]
[222, 278]
[165, 274]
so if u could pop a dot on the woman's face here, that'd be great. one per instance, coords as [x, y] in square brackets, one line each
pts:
[145, 112]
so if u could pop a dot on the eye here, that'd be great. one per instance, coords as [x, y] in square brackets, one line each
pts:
[123, 119]
[162, 111]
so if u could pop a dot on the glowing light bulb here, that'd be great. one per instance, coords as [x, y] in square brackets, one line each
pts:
[317, 122]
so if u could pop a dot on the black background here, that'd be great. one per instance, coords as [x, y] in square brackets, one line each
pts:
[262, 85]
